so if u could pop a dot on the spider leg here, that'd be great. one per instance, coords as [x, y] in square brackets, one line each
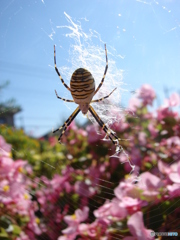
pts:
[101, 99]
[106, 68]
[66, 100]
[111, 135]
[67, 123]
[58, 71]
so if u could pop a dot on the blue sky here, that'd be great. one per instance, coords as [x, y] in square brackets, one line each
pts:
[142, 37]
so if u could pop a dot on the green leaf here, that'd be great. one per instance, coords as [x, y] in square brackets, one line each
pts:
[148, 165]
[16, 229]
[75, 197]
[25, 219]
[3, 234]
[79, 177]
[159, 196]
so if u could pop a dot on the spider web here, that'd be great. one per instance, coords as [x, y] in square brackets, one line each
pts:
[84, 52]
[86, 49]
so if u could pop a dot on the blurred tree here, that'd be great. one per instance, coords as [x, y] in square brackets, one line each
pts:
[8, 109]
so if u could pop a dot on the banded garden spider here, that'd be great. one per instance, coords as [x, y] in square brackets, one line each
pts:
[82, 88]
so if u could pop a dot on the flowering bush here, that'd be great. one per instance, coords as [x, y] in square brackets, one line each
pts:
[17, 210]
[91, 195]
[36, 151]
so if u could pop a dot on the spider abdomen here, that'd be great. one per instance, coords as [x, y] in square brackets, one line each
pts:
[82, 86]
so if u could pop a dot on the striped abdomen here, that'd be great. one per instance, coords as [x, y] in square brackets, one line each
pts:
[82, 86]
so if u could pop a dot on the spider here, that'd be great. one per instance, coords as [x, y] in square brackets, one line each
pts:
[82, 88]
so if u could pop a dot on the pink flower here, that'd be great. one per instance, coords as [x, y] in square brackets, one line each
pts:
[10, 191]
[5, 148]
[172, 147]
[137, 228]
[84, 189]
[52, 141]
[150, 181]
[175, 176]
[103, 211]
[59, 182]
[33, 226]
[174, 190]
[79, 216]
[23, 236]
[120, 124]
[73, 141]
[130, 204]
[135, 155]
[146, 94]
[126, 189]
[153, 131]
[68, 237]
[94, 230]
[23, 204]
[164, 167]
[150, 185]
[174, 100]
[82, 132]
[173, 141]
[142, 138]
[73, 221]
[6, 166]
[53, 189]
[162, 112]
[117, 209]
[17, 171]
[134, 103]
[93, 136]
[111, 211]
[172, 172]
[72, 126]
